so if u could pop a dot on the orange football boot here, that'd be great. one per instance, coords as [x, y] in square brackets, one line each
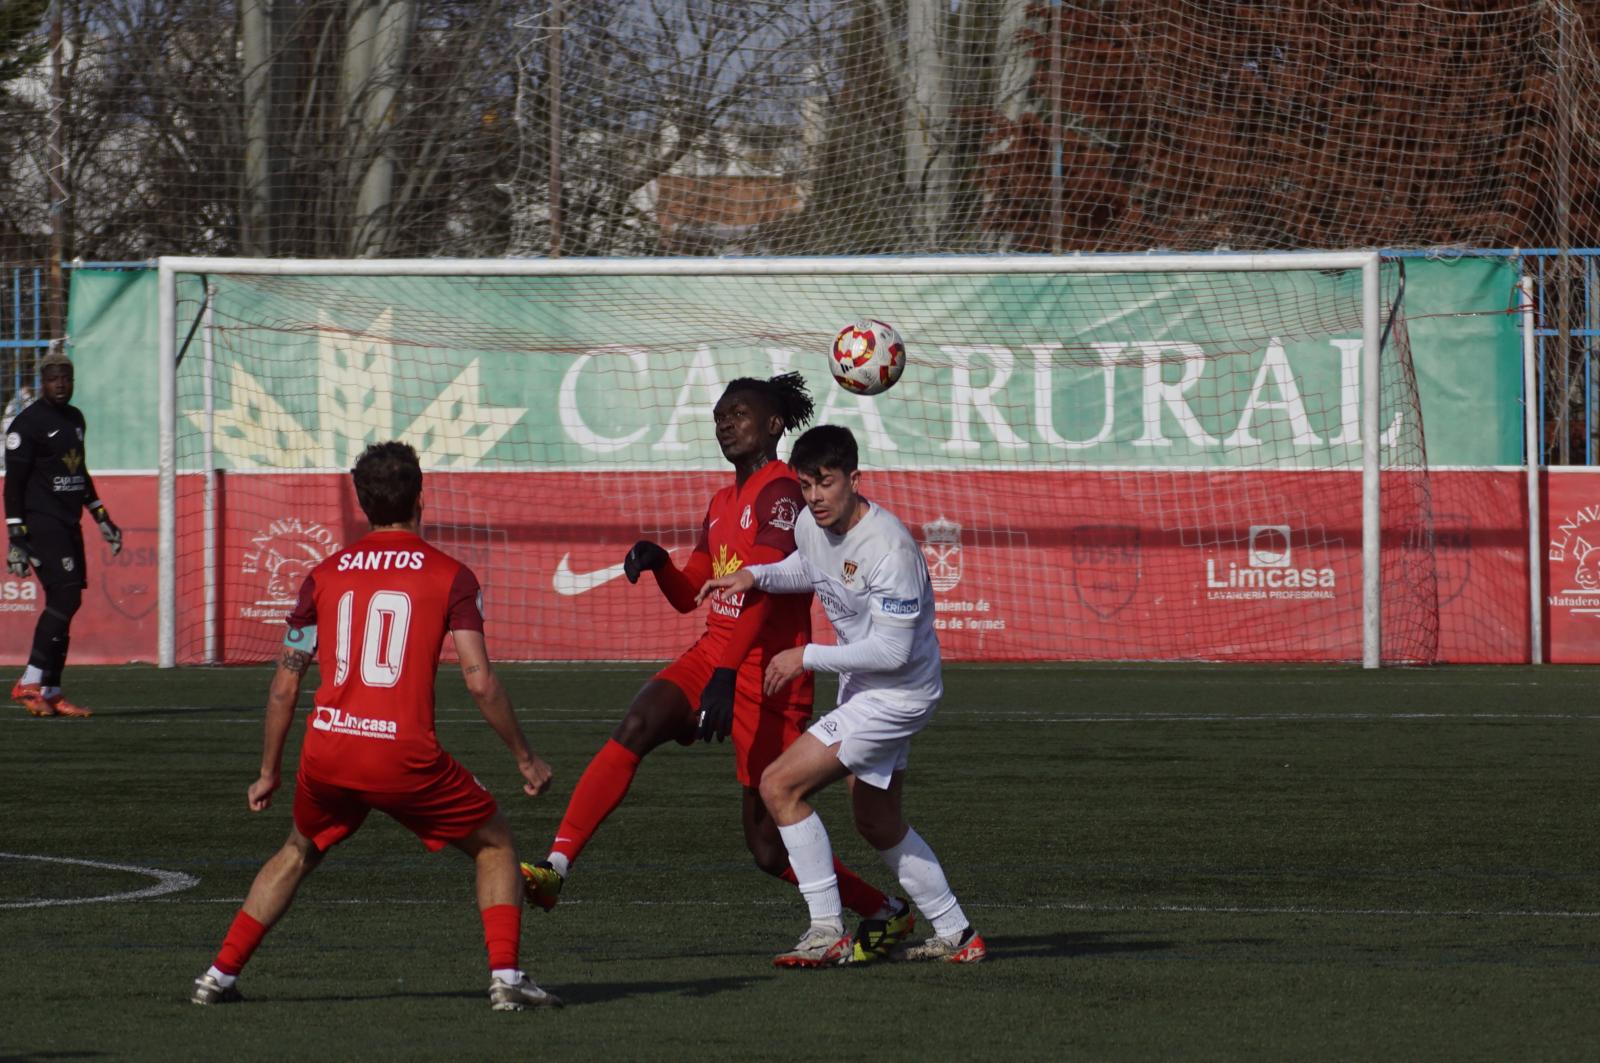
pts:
[28, 696]
[63, 707]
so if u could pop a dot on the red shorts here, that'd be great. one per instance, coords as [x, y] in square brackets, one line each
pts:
[763, 727]
[449, 806]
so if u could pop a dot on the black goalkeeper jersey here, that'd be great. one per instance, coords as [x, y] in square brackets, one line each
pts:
[46, 474]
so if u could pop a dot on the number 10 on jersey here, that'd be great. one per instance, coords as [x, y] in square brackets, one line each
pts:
[383, 637]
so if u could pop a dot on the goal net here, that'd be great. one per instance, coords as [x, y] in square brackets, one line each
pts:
[1161, 457]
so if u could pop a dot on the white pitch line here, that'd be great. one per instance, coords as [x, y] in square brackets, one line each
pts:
[166, 882]
[1197, 909]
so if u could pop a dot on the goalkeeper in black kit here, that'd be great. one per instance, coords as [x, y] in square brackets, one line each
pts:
[47, 489]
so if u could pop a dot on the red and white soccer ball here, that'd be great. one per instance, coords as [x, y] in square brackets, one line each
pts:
[867, 357]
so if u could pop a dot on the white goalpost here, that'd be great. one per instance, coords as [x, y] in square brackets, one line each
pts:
[1147, 456]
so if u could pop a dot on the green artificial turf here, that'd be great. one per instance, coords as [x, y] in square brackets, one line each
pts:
[1166, 861]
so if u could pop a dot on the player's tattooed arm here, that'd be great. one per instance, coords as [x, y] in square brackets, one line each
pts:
[296, 661]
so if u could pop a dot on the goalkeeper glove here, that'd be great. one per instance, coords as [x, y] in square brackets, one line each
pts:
[716, 705]
[20, 556]
[644, 555]
[108, 530]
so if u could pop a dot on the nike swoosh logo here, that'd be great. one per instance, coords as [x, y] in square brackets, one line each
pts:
[52, 433]
[569, 583]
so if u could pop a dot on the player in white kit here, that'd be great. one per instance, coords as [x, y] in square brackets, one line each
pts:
[871, 578]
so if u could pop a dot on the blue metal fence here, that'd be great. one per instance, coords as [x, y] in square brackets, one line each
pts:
[23, 331]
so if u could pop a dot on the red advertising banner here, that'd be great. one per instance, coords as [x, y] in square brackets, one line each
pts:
[1572, 565]
[117, 622]
[1120, 578]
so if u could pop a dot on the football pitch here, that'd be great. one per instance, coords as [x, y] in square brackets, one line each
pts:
[1166, 861]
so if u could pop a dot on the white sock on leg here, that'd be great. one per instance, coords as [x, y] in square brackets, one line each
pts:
[32, 674]
[811, 856]
[921, 876]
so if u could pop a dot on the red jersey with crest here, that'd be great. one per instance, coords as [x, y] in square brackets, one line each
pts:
[761, 511]
[377, 612]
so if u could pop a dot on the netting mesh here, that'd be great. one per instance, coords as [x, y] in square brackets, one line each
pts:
[1096, 465]
[337, 128]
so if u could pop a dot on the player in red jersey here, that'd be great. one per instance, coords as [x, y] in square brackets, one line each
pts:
[715, 688]
[376, 613]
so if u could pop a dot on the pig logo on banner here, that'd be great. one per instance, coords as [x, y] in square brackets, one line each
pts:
[1574, 558]
[1106, 566]
[279, 557]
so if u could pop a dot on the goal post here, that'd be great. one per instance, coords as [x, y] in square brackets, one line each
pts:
[1158, 452]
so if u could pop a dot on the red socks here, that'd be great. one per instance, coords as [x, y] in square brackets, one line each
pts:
[243, 937]
[854, 891]
[599, 791]
[502, 933]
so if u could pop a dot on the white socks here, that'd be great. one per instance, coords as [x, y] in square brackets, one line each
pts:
[559, 862]
[32, 674]
[811, 856]
[508, 975]
[224, 980]
[920, 875]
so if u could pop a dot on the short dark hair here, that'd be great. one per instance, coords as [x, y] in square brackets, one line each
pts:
[827, 446]
[786, 393]
[388, 479]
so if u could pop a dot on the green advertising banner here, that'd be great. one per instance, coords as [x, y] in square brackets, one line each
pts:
[1007, 371]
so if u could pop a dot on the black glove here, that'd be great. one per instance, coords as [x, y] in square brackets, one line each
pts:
[645, 555]
[108, 530]
[716, 705]
[20, 556]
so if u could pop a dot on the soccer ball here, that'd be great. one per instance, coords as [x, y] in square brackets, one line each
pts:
[867, 357]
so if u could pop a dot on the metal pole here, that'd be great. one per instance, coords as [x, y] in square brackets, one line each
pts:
[1057, 192]
[166, 465]
[1566, 96]
[55, 302]
[208, 458]
[1371, 512]
[1530, 445]
[553, 50]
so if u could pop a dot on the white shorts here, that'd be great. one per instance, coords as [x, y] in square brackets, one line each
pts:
[873, 731]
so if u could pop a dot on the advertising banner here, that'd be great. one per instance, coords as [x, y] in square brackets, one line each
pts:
[550, 452]
[1572, 565]
[117, 621]
[548, 549]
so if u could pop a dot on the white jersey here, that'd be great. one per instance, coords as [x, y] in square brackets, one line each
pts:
[873, 575]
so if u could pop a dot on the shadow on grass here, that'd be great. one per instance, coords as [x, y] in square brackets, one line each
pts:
[1068, 945]
[187, 710]
[347, 998]
[694, 988]
[576, 993]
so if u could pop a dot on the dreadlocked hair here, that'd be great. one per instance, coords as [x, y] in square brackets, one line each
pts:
[786, 392]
